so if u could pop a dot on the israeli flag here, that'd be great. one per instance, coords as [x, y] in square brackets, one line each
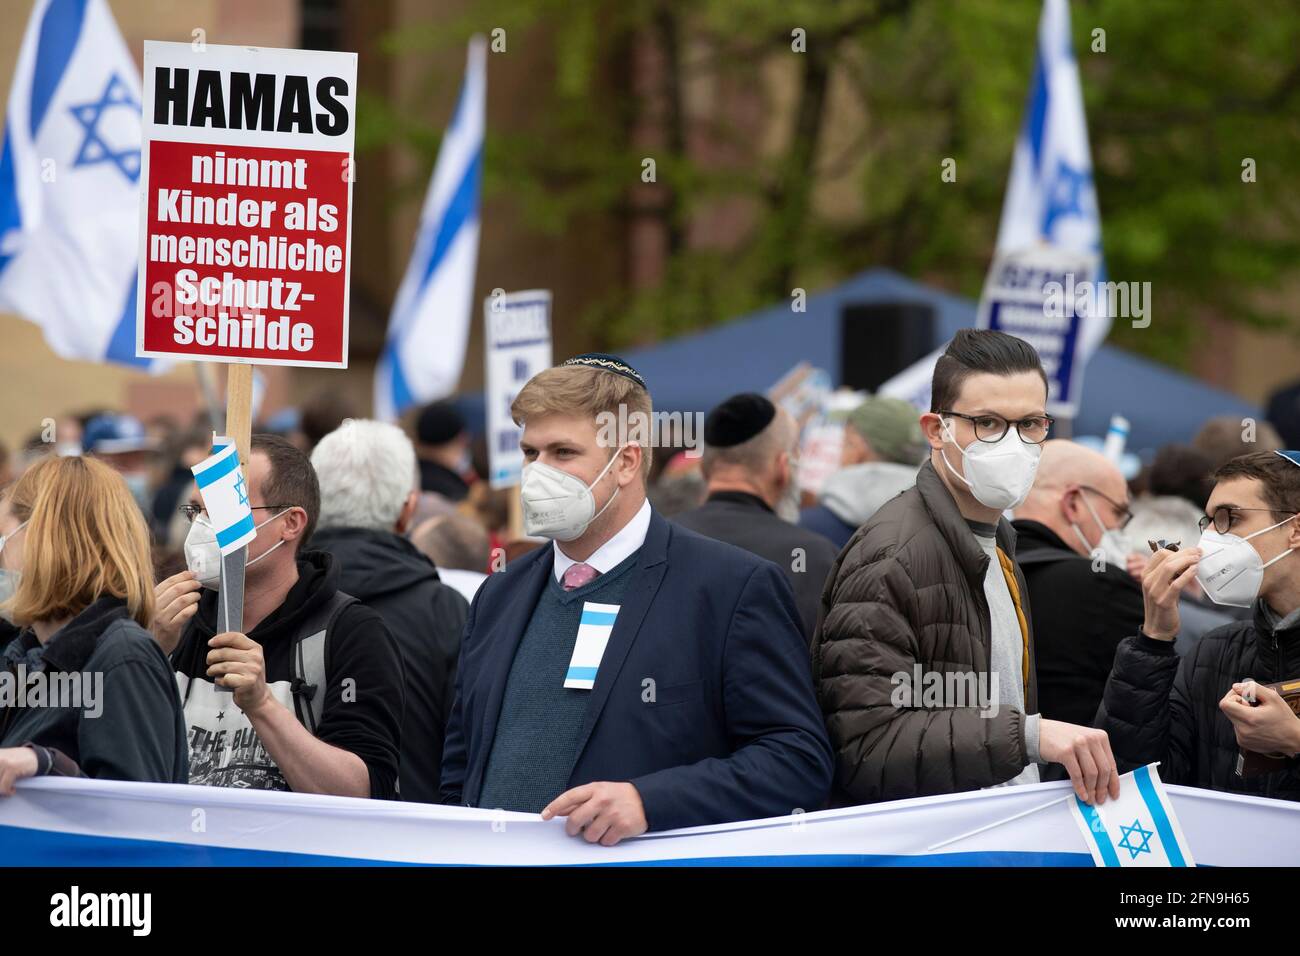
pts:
[69, 172]
[225, 496]
[1050, 198]
[429, 327]
[1138, 829]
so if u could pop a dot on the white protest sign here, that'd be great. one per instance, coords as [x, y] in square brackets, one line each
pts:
[518, 337]
[246, 204]
[1038, 294]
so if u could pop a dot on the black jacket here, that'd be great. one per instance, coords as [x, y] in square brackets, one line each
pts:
[1158, 706]
[133, 730]
[426, 618]
[747, 522]
[442, 480]
[363, 688]
[1080, 616]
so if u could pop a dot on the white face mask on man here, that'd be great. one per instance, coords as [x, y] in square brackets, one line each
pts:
[1231, 570]
[559, 505]
[1110, 544]
[999, 474]
[203, 554]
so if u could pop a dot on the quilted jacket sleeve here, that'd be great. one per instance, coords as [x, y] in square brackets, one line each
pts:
[884, 748]
[1146, 710]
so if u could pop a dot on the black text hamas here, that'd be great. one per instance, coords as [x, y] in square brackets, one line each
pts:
[261, 101]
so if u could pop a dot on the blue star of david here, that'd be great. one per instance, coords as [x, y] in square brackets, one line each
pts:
[94, 149]
[241, 490]
[1143, 835]
[1065, 198]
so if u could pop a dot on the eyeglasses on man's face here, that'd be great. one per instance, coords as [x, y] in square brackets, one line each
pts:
[1225, 516]
[991, 428]
[192, 511]
[1124, 513]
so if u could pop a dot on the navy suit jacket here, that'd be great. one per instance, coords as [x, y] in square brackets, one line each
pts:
[704, 698]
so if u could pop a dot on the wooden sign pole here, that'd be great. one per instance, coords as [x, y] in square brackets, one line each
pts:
[239, 428]
[516, 514]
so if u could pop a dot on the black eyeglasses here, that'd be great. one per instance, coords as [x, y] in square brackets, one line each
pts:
[193, 511]
[992, 428]
[1223, 517]
[1125, 513]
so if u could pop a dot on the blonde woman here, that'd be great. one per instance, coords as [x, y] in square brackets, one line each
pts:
[89, 692]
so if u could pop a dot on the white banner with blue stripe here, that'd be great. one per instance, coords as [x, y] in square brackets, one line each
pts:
[428, 330]
[74, 822]
[69, 171]
[221, 484]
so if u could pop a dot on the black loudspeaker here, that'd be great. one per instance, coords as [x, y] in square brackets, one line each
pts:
[880, 339]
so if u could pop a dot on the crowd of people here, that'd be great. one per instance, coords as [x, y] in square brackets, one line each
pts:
[967, 602]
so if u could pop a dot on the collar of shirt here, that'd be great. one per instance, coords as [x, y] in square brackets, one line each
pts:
[612, 553]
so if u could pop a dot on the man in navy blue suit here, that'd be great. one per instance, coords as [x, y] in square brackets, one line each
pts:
[633, 675]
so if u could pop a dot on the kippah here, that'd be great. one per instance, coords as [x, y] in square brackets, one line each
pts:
[606, 363]
[738, 419]
[1291, 456]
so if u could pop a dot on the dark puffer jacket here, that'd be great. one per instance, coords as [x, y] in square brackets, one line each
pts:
[908, 588]
[1156, 708]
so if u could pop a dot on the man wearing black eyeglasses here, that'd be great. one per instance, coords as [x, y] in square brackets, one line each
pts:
[1074, 558]
[1198, 713]
[928, 590]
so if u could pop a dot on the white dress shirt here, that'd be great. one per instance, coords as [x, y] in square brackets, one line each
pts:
[614, 551]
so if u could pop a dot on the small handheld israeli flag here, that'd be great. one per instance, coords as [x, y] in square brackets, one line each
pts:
[1138, 829]
[225, 496]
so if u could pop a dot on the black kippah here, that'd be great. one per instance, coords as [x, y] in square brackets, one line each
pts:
[738, 419]
[439, 423]
[606, 363]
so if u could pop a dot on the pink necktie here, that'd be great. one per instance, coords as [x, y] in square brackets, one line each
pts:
[577, 575]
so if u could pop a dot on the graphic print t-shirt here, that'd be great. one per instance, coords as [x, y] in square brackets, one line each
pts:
[362, 711]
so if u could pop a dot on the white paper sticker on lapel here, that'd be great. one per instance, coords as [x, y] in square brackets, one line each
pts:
[593, 634]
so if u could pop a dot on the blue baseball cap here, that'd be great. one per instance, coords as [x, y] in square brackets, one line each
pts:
[113, 434]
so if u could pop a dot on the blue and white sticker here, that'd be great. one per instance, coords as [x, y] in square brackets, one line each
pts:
[593, 634]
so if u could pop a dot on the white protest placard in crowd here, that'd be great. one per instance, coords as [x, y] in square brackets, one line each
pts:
[1043, 294]
[246, 204]
[517, 328]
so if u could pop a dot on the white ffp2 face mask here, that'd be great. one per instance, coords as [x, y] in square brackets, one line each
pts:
[1231, 570]
[203, 554]
[999, 474]
[559, 505]
[1110, 544]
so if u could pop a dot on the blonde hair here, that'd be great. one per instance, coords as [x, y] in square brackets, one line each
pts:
[85, 539]
[582, 390]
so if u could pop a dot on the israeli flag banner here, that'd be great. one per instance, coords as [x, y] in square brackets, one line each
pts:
[69, 172]
[594, 629]
[1050, 226]
[1138, 829]
[225, 496]
[429, 327]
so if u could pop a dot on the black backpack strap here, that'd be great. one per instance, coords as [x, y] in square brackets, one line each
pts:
[309, 659]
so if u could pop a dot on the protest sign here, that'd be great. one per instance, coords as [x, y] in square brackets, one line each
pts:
[518, 337]
[1043, 295]
[246, 204]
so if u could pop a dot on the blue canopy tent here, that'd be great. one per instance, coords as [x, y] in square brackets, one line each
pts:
[694, 372]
